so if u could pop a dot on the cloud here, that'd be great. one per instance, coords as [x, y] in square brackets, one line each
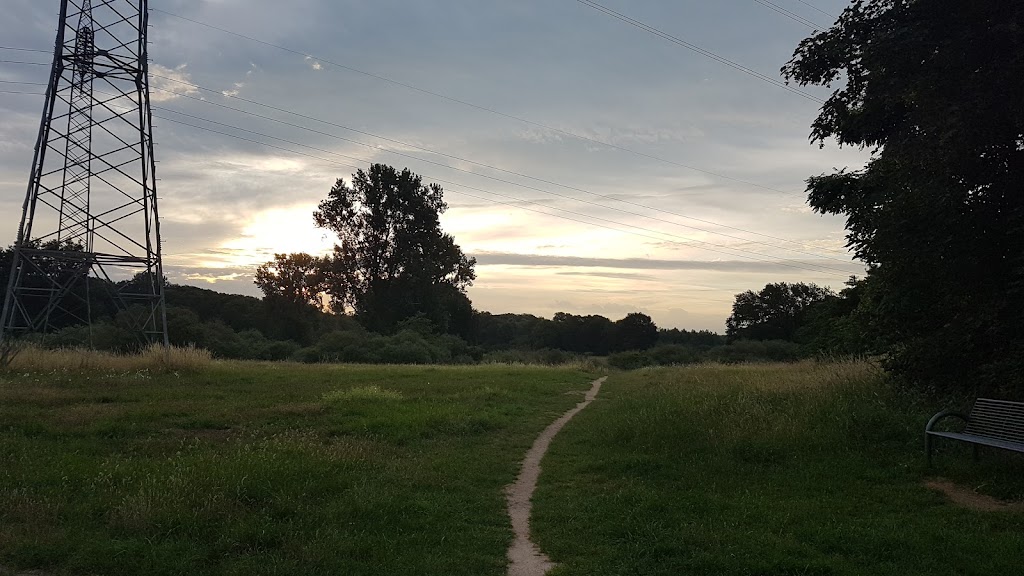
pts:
[539, 260]
[169, 84]
[613, 275]
[234, 91]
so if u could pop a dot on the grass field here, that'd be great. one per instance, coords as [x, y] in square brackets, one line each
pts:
[768, 470]
[255, 469]
[267, 468]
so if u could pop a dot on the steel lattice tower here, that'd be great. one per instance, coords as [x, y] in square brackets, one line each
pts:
[90, 234]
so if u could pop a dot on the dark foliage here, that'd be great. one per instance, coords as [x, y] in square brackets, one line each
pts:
[934, 88]
[392, 260]
[774, 313]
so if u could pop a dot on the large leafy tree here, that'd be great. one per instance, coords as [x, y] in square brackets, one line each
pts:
[296, 279]
[392, 260]
[635, 332]
[775, 312]
[935, 89]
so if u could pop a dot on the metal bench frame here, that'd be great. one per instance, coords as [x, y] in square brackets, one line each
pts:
[995, 423]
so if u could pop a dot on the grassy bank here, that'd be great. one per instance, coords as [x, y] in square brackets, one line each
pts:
[768, 470]
[244, 468]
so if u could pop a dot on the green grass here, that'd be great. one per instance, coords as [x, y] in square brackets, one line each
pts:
[259, 469]
[766, 470]
[262, 469]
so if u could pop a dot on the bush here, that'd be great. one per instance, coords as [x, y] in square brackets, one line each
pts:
[545, 357]
[674, 355]
[630, 360]
[755, 351]
[406, 347]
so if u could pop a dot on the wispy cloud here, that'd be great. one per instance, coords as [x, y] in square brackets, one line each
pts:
[545, 261]
[170, 83]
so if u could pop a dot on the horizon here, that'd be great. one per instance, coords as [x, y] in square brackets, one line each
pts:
[546, 228]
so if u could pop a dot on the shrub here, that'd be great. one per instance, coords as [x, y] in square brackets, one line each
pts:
[674, 355]
[755, 351]
[630, 360]
[546, 357]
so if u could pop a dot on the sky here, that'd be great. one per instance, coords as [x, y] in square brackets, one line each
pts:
[589, 166]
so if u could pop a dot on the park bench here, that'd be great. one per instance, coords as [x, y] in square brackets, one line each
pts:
[996, 423]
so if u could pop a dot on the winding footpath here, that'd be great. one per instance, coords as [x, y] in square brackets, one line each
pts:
[525, 558]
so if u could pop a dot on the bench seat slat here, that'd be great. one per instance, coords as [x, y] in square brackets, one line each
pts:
[994, 442]
[984, 425]
[998, 415]
[995, 401]
[997, 419]
[994, 431]
[995, 436]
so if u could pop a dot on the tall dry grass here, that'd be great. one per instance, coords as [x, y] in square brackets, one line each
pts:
[155, 357]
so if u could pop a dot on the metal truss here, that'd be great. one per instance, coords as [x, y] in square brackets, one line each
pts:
[90, 232]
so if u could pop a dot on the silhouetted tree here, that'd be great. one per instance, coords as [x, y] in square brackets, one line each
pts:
[774, 313]
[298, 279]
[635, 332]
[934, 89]
[391, 253]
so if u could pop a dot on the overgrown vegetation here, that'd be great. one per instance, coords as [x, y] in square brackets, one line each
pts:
[9, 350]
[154, 357]
[805, 468]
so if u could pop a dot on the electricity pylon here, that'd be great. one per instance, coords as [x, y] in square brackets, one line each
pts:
[90, 233]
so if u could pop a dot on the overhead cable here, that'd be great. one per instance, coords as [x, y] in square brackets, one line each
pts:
[489, 110]
[693, 47]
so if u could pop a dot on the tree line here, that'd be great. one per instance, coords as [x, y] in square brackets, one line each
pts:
[932, 88]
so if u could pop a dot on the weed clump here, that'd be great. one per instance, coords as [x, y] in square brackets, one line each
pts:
[362, 393]
[154, 357]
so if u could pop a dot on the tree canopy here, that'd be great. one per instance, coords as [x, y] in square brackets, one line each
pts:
[392, 261]
[773, 313]
[934, 89]
[297, 279]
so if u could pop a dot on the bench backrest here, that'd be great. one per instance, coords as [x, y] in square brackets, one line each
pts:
[999, 419]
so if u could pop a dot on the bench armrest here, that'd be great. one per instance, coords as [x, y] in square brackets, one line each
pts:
[942, 415]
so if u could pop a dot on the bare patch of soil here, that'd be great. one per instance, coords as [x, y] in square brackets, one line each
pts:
[967, 498]
[525, 557]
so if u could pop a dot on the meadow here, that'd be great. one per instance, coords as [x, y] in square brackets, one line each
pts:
[783, 469]
[183, 465]
[248, 468]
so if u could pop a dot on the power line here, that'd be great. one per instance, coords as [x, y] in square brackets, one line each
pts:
[428, 150]
[25, 63]
[833, 16]
[478, 106]
[733, 252]
[377, 147]
[693, 47]
[12, 48]
[498, 180]
[17, 92]
[791, 15]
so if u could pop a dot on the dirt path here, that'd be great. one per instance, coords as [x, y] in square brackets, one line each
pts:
[525, 558]
[967, 498]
